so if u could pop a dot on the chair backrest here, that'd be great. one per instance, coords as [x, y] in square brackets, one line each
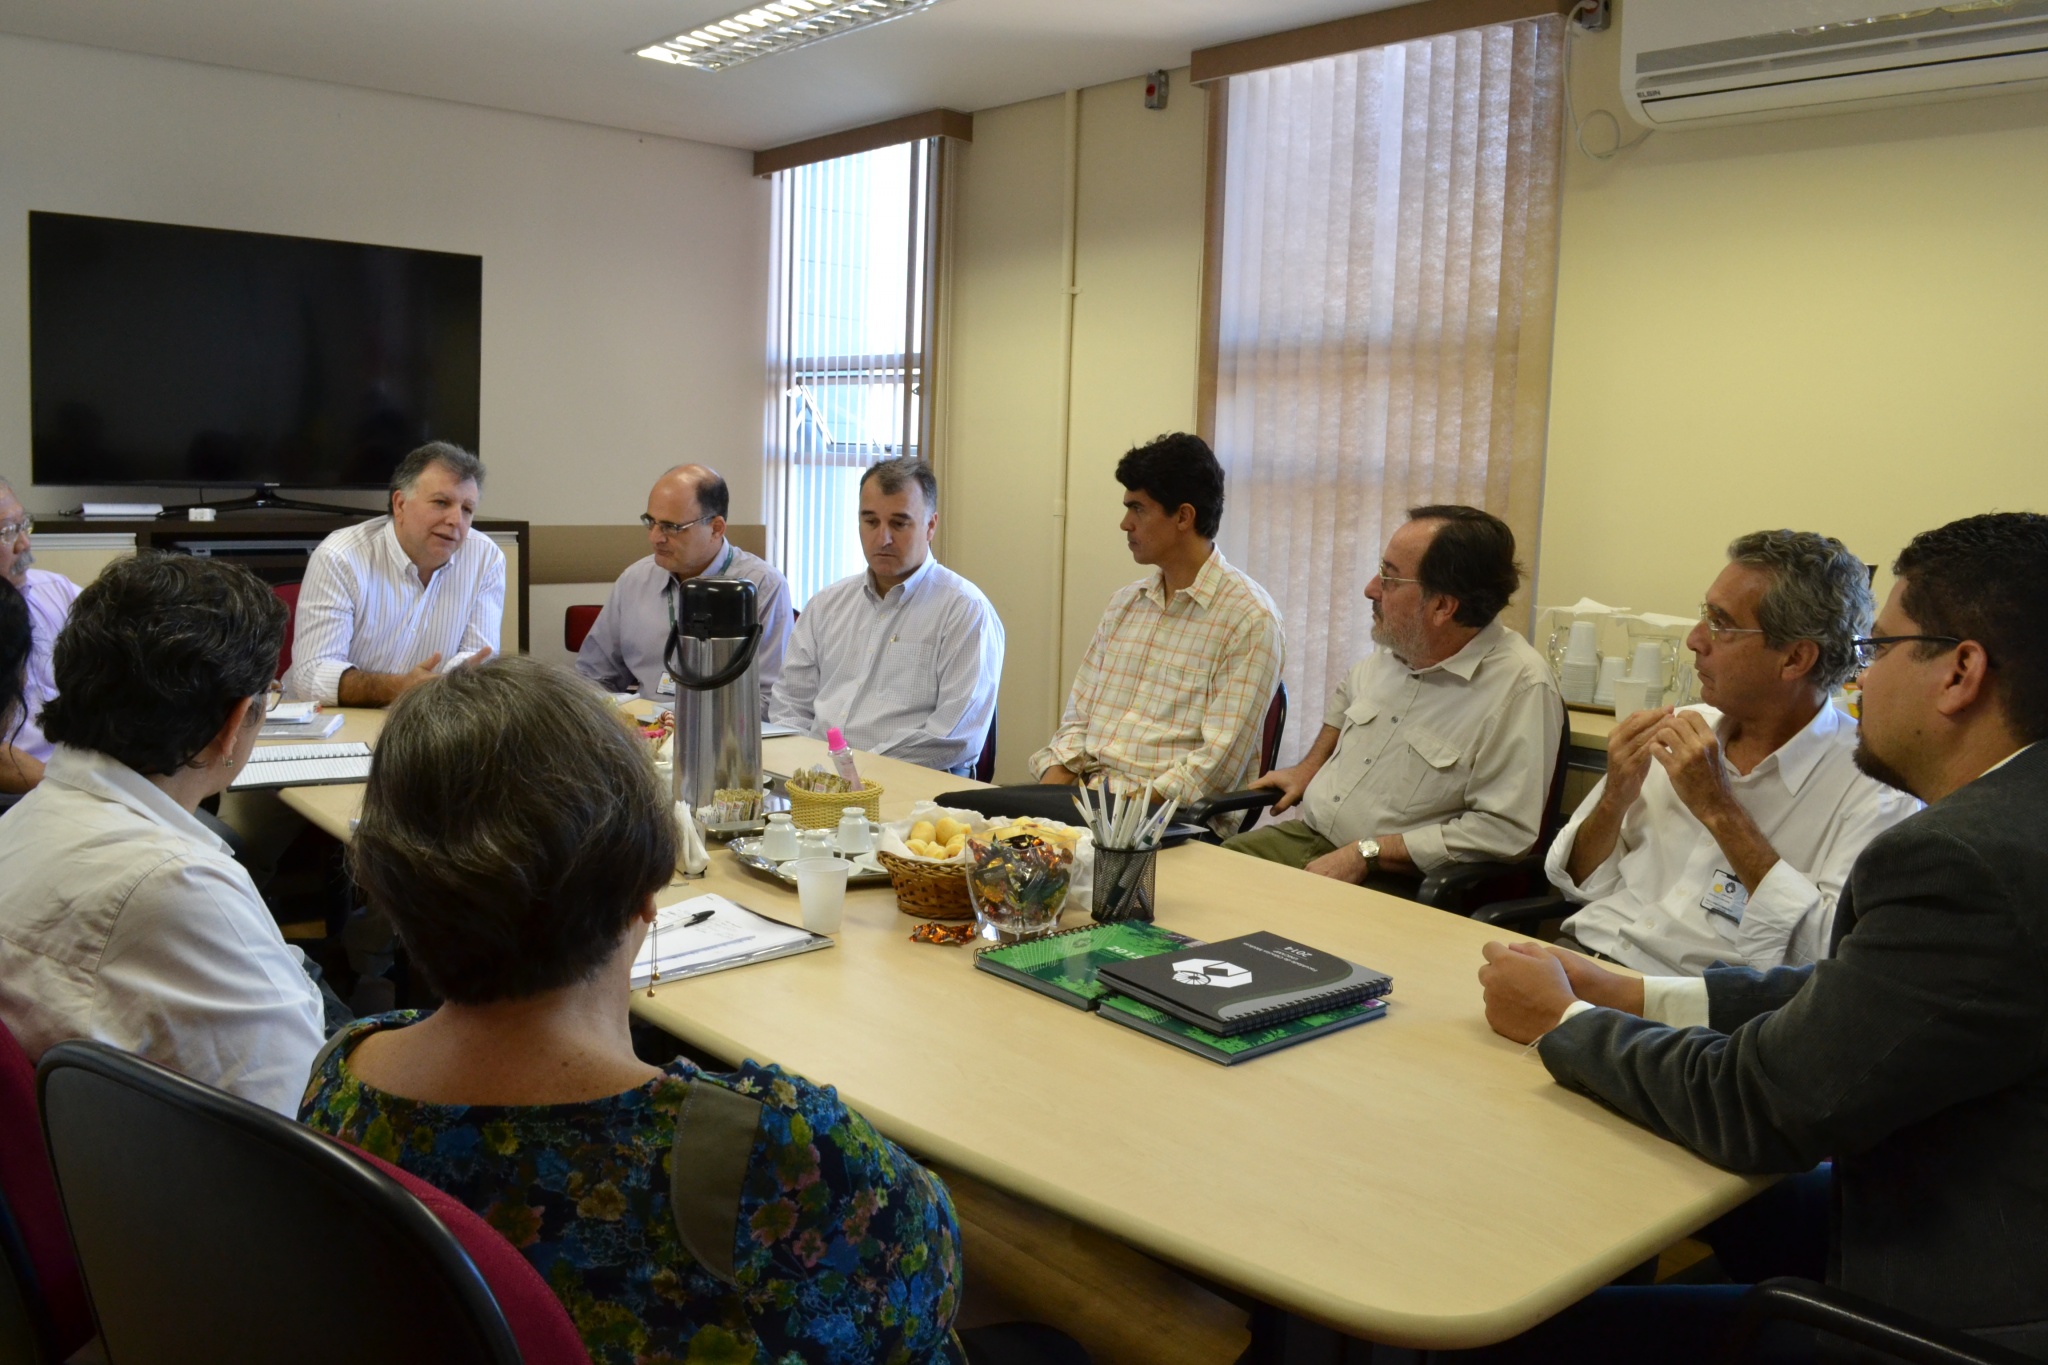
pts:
[1275, 731]
[212, 1230]
[40, 1269]
[576, 624]
[1555, 815]
[985, 766]
[287, 593]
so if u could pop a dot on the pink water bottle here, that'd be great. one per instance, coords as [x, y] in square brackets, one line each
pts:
[842, 756]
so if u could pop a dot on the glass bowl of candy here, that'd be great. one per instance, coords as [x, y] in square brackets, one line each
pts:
[1018, 883]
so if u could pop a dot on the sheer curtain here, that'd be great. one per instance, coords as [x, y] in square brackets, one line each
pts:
[1388, 268]
[849, 319]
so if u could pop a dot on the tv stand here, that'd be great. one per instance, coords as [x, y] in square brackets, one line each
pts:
[265, 495]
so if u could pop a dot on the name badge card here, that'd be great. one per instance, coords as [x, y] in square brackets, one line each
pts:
[1725, 896]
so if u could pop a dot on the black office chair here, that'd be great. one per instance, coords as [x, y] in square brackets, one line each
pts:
[1836, 1314]
[985, 766]
[1467, 888]
[213, 1232]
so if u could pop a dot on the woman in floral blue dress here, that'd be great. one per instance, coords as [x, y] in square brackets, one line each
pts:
[515, 835]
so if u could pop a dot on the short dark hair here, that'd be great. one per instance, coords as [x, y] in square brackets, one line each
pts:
[1985, 578]
[158, 651]
[1819, 591]
[17, 638]
[1176, 469]
[714, 499]
[891, 476]
[1472, 558]
[466, 467]
[511, 829]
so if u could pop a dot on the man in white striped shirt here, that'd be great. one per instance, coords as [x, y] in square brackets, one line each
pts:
[392, 601]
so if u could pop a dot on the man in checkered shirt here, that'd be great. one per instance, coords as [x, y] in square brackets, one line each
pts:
[1175, 685]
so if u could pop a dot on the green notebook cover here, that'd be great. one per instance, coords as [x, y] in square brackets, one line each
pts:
[1064, 965]
[1121, 1009]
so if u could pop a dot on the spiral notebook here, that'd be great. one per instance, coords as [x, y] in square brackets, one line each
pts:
[1254, 981]
[1066, 965]
[303, 765]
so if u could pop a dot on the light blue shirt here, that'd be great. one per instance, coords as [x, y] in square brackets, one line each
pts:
[910, 674]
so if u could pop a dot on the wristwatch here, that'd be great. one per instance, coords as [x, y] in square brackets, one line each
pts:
[1369, 849]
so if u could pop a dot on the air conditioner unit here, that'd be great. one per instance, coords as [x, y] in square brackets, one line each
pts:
[1687, 63]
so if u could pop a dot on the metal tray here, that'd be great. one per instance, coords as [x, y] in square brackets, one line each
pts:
[748, 850]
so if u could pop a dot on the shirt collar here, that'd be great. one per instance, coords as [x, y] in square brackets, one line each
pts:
[109, 779]
[906, 588]
[1467, 660]
[1208, 580]
[1796, 758]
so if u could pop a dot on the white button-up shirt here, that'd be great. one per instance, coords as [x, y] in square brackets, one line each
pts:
[1456, 758]
[1646, 905]
[125, 920]
[911, 673]
[49, 597]
[363, 606]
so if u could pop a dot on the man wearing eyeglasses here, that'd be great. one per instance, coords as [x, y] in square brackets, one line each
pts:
[1912, 1054]
[49, 597]
[685, 521]
[1438, 747]
[1723, 833]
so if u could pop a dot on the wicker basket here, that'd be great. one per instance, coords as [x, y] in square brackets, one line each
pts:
[821, 810]
[928, 890]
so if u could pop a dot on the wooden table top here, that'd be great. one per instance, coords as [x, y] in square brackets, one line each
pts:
[1590, 729]
[1416, 1180]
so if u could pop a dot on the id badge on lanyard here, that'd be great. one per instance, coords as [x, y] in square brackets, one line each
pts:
[1725, 896]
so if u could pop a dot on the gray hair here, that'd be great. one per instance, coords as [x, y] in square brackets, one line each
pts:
[1819, 591]
[466, 467]
[891, 476]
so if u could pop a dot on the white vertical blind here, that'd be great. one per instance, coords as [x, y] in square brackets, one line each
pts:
[1389, 261]
[849, 305]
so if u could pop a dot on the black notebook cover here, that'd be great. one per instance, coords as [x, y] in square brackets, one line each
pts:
[1251, 982]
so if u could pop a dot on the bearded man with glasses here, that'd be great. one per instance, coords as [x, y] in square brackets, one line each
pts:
[1723, 833]
[685, 521]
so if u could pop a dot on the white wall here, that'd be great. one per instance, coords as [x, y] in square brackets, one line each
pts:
[625, 275]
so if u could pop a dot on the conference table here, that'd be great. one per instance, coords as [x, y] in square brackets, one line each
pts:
[1414, 1181]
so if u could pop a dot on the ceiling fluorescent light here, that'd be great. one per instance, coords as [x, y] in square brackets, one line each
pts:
[775, 26]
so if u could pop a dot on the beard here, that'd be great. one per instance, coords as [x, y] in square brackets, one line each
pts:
[1875, 768]
[1399, 643]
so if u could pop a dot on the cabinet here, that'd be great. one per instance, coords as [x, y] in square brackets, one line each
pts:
[274, 544]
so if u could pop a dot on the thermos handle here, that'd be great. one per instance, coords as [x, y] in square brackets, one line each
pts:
[730, 673]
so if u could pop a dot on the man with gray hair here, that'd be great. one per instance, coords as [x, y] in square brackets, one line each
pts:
[392, 601]
[49, 597]
[905, 657]
[1723, 833]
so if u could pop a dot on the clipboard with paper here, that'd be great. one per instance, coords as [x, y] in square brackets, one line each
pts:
[709, 934]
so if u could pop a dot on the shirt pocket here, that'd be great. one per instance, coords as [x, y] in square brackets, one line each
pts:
[906, 674]
[1438, 768]
[1169, 702]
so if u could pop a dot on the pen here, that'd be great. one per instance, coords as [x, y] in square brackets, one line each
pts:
[699, 917]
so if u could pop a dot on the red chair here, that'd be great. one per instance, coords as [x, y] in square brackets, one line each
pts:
[287, 593]
[576, 623]
[40, 1269]
[212, 1229]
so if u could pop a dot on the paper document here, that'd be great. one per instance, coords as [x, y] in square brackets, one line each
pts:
[769, 730]
[312, 727]
[711, 933]
[303, 765]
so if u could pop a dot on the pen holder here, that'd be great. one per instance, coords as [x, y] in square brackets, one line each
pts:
[1126, 884]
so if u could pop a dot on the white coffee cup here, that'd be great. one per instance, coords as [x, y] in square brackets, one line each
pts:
[778, 841]
[856, 835]
[821, 890]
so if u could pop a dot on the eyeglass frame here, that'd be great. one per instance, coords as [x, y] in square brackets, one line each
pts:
[17, 529]
[1863, 647]
[669, 528]
[1384, 577]
[1724, 635]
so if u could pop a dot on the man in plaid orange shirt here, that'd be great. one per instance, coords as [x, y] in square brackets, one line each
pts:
[1175, 685]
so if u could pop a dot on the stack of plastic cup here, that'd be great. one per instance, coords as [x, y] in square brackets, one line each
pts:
[1579, 674]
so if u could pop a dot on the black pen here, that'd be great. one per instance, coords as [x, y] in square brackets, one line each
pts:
[699, 917]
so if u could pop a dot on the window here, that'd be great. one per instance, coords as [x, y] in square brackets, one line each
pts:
[1387, 270]
[849, 323]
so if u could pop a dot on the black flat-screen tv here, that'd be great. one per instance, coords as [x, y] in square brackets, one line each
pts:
[185, 356]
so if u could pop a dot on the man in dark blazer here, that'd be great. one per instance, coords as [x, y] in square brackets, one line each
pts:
[1916, 1056]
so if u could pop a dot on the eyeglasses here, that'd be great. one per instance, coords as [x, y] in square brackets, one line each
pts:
[15, 530]
[1387, 577]
[272, 696]
[1718, 627]
[1870, 648]
[667, 528]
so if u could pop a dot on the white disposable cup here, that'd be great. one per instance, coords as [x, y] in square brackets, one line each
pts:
[1583, 646]
[1630, 696]
[778, 841]
[1648, 665]
[821, 890]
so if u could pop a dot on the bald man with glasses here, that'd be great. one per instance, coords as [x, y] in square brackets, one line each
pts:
[1723, 833]
[685, 521]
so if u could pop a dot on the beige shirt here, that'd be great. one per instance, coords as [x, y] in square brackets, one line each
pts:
[1455, 758]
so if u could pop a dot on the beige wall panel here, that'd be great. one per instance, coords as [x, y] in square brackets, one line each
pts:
[1137, 319]
[1835, 324]
[998, 505]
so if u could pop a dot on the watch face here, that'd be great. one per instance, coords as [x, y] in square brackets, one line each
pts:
[1370, 848]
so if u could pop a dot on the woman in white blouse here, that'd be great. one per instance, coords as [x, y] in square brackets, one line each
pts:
[124, 918]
